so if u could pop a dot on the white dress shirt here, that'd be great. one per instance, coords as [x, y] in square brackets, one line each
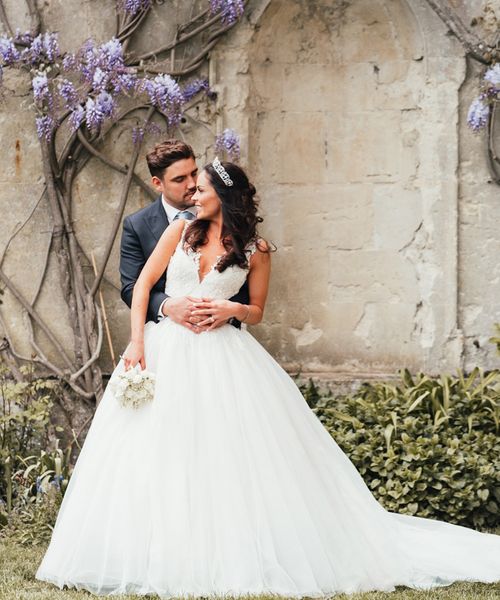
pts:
[172, 212]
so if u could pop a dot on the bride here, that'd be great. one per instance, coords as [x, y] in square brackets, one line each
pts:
[227, 484]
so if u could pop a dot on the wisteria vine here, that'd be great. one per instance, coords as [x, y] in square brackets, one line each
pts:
[481, 115]
[78, 98]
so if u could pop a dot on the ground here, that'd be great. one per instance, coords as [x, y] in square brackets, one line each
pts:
[18, 565]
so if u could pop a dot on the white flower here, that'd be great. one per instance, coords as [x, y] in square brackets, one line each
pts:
[493, 75]
[133, 388]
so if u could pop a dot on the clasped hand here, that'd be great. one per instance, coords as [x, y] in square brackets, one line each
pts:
[213, 312]
[199, 314]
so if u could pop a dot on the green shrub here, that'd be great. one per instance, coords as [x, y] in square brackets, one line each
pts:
[24, 424]
[40, 484]
[32, 479]
[425, 446]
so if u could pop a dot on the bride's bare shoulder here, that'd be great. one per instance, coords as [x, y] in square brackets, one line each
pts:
[260, 252]
[174, 230]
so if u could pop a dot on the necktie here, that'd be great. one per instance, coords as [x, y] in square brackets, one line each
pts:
[184, 214]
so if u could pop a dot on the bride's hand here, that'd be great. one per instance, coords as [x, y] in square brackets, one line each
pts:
[134, 354]
[215, 312]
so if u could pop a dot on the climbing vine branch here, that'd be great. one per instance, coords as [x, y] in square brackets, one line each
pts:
[77, 96]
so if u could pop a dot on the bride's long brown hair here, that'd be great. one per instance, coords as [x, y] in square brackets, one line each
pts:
[239, 217]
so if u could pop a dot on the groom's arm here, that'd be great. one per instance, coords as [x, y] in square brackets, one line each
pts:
[132, 260]
[243, 296]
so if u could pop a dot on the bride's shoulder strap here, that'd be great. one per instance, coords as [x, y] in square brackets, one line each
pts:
[258, 244]
[251, 249]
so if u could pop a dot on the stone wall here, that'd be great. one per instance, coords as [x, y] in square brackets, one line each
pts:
[352, 133]
[352, 115]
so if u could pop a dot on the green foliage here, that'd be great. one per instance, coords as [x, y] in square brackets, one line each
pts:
[41, 484]
[425, 446]
[24, 424]
[311, 393]
[32, 479]
[32, 523]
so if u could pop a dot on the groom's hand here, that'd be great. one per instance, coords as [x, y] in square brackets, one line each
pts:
[180, 309]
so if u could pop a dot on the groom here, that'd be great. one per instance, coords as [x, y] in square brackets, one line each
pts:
[173, 169]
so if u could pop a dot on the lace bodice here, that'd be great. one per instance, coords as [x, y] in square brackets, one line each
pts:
[183, 275]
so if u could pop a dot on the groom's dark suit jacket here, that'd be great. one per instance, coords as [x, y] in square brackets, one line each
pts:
[141, 232]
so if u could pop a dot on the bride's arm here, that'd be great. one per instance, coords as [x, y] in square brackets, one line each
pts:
[151, 272]
[258, 284]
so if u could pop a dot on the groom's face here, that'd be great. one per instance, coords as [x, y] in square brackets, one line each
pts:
[178, 183]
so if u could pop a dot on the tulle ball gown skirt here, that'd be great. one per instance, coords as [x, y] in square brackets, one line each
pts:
[227, 484]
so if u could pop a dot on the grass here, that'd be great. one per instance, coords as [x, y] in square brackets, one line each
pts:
[18, 565]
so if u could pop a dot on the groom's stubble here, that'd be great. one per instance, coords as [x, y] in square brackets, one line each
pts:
[178, 183]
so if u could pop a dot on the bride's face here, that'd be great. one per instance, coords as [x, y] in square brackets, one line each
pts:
[206, 199]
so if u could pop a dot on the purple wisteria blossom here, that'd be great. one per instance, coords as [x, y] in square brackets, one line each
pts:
[106, 104]
[23, 37]
[89, 83]
[478, 114]
[493, 76]
[228, 141]
[99, 64]
[43, 48]
[99, 80]
[76, 118]
[150, 127]
[165, 93]
[8, 52]
[40, 85]
[479, 109]
[111, 55]
[99, 109]
[124, 83]
[195, 87]
[230, 10]
[69, 62]
[68, 93]
[132, 7]
[93, 116]
[45, 125]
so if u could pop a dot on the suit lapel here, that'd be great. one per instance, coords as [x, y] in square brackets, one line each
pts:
[157, 220]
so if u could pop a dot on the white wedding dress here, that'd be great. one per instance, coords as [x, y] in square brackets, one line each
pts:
[227, 484]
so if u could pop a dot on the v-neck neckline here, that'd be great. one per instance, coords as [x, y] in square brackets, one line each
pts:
[196, 255]
[197, 258]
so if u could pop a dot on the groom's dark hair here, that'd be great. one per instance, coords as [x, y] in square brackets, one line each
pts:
[165, 154]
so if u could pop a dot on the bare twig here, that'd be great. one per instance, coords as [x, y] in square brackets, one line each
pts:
[21, 226]
[43, 360]
[105, 317]
[43, 273]
[180, 73]
[126, 34]
[97, 350]
[119, 212]
[121, 169]
[36, 22]
[82, 429]
[182, 39]
[473, 45]
[35, 316]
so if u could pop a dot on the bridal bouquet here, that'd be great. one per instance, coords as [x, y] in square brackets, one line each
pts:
[134, 387]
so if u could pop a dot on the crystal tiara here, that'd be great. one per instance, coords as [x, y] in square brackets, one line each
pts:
[223, 174]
